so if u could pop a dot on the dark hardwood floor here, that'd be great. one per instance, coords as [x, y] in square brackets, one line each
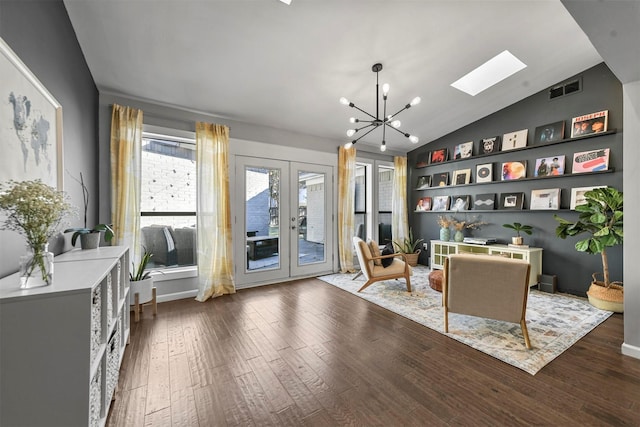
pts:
[307, 353]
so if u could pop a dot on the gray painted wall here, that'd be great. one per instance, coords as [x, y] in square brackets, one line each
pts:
[601, 90]
[40, 33]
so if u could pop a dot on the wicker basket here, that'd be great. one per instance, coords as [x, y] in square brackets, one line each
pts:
[412, 259]
[606, 298]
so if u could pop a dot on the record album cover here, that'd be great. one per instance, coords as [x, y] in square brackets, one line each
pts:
[484, 172]
[513, 140]
[591, 161]
[490, 145]
[484, 202]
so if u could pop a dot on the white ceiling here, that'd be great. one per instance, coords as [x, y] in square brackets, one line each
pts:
[260, 61]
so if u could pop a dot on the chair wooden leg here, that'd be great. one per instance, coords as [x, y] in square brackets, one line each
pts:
[408, 280]
[154, 302]
[523, 325]
[446, 320]
[358, 274]
[136, 307]
[366, 285]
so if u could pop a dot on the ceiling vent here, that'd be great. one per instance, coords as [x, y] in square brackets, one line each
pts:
[566, 88]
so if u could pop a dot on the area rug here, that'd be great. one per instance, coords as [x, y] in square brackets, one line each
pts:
[555, 321]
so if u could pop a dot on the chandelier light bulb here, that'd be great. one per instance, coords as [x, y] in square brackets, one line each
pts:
[351, 132]
[344, 101]
[353, 120]
[414, 139]
[348, 145]
[385, 89]
[396, 124]
[383, 147]
[415, 101]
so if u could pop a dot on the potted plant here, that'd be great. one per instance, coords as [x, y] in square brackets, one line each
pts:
[409, 247]
[141, 284]
[89, 237]
[517, 227]
[601, 217]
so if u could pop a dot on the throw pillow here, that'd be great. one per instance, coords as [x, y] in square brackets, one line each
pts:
[388, 250]
[375, 251]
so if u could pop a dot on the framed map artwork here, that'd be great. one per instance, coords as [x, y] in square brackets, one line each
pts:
[30, 125]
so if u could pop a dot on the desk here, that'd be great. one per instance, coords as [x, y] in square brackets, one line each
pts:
[261, 246]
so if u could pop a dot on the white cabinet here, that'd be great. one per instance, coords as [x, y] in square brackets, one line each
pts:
[441, 249]
[61, 345]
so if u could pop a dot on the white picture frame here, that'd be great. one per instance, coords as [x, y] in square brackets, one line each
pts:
[545, 199]
[577, 195]
[30, 125]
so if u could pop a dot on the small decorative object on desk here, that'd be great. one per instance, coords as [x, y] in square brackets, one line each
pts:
[517, 240]
[36, 211]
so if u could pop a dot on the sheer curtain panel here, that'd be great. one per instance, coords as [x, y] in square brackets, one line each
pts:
[346, 200]
[399, 215]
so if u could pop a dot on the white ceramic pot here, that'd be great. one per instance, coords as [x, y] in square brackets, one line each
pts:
[517, 240]
[143, 288]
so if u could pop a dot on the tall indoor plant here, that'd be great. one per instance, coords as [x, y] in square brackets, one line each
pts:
[141, 285]
[36, 211]
[409, 247]
[601, 217]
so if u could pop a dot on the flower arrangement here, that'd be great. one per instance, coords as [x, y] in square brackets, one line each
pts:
[36, 211]
[460, 225]
[444, 221]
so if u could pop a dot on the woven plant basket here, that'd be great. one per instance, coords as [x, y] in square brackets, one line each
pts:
[611, 298]
[412, 259]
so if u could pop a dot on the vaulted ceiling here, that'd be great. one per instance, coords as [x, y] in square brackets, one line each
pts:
[286, 67]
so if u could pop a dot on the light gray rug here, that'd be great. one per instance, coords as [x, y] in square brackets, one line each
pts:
[555, 321]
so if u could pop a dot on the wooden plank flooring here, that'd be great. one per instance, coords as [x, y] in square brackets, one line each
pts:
[307, 353]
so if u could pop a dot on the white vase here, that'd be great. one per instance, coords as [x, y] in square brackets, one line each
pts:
[144, 289]
[36, 267]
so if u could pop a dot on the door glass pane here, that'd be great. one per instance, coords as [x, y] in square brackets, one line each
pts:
[311, 217]
[385, 190]
[360, 203]
[262, 227]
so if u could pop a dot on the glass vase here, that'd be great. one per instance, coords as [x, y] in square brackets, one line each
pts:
[445, 234]
[36, 267]
[458, 236]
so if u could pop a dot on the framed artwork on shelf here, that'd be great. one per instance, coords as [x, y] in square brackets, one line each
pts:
[424, 204]
[590, 123]
[513, 140]
[461, 177]
[514, 170]
[549, 166]
[485, 202]
[463, 151]
[484, 172]
[513, 201]
[439, 156]
[30, 125]
[547, 199]
[422, 160]
[577, 195]
[590, 161]
[440, 203]
[440, 179]
[549, 133]
[490, 145]
[460, 203]
[423, 182]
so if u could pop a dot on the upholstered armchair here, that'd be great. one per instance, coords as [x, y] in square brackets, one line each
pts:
[486, 286]
[376, 273]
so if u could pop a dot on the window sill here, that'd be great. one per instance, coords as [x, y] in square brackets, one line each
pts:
[174, 273]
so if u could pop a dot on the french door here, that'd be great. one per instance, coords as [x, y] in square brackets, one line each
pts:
[284, 220]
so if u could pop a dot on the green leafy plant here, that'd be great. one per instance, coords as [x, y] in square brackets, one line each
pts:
[518, 228]
[601, 217]
[408, 245]
[139, 273]
[78, 231]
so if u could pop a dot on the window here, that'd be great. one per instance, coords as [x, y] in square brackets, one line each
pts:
[372, 207]
[168, 200]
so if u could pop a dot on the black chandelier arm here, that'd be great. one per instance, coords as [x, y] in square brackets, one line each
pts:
[367, 126]
[406, 107]
[352, 105]
[364, 134]
[397, 130]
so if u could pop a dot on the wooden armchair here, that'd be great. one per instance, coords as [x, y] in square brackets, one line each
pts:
[375, 273]
[486, 286]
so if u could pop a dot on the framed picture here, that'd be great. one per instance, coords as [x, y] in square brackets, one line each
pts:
[513, 140]
[490, 145]
[484, 172]
[439, 156]
[549, 166]
[461, 177]
[513, 201]
[440, 203]
[514, 170]
[422, 160]
[549, 133]
[590, 123]
[485, 202]
[440, 179]
[548, 199]
[460, 203]
[463, 151]
[590, 161]
[423, 182]
[577, 195]
[424, 204]
[30, 125]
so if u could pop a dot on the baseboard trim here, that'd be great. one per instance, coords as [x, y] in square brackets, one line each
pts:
[178, 295]
[631, 350]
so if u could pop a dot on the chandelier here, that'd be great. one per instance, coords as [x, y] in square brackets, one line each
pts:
[376, 121]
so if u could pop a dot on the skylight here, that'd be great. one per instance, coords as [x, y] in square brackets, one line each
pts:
[488, 74]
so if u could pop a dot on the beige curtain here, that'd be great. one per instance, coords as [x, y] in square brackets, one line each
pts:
[399, 216]
[126, 152]
[346, 200]
[215, 262]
